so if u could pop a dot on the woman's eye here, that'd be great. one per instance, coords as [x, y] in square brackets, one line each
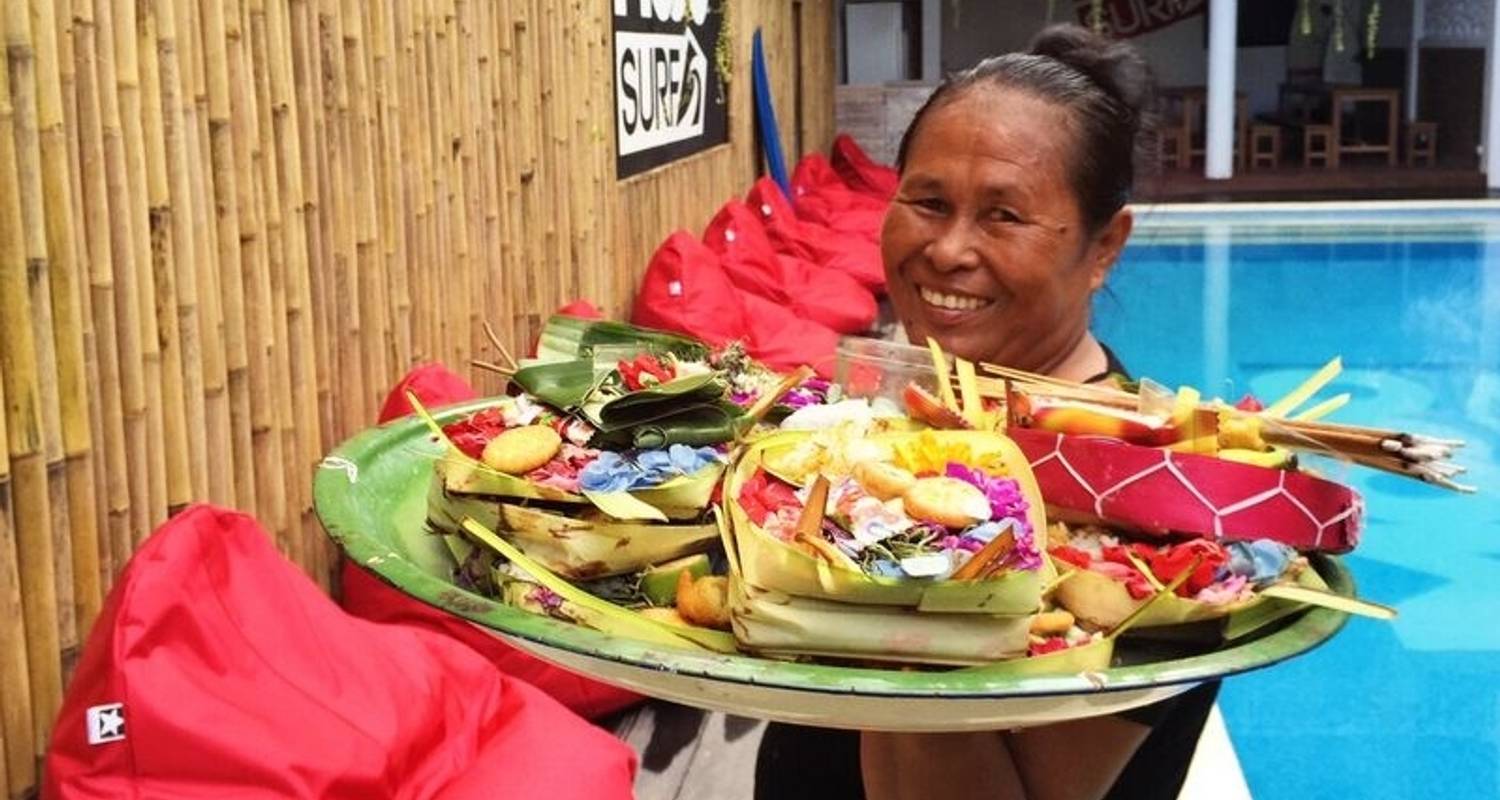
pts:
[1001, 215]
[933, 205]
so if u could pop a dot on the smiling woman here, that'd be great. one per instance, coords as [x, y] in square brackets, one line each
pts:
[1010, 213]
[1011, 207]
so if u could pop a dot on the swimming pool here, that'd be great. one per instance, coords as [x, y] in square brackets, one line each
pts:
[1254, 299]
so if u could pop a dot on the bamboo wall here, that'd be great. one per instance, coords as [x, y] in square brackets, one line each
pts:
[227, 227]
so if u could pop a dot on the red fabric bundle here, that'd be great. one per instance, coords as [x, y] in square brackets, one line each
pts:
[217, 669]
[821, 196]
[853, 255]
[685, 289]
[825, 296]
[860, 172]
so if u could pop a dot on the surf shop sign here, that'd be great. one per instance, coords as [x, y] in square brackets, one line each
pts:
[667, 99]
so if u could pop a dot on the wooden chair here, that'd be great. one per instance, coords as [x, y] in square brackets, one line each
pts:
[1421, 143]
[1265, 146]
[1172, 148]
[1318, 145]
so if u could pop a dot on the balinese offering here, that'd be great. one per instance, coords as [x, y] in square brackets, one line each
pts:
[645, 485]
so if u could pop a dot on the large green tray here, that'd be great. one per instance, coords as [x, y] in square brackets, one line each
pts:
[371, 493]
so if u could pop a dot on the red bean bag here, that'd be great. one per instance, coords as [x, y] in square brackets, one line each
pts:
[825, 296]
[853, 255]
[821, 196]
[860, 172]
[368, 597]
[217, 669]
[687, 290]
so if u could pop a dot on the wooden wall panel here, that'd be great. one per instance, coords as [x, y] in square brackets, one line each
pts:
[227, 226]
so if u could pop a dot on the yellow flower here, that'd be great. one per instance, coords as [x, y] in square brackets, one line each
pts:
[927, 453]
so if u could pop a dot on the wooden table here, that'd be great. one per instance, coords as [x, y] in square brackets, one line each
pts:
[1392, 100]
[1194, 99]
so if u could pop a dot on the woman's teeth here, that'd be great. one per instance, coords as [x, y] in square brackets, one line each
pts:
[955, 302]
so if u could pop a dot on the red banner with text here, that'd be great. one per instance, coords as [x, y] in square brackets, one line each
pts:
[1123, 19]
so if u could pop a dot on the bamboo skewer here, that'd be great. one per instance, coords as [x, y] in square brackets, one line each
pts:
[26, 442]
[1391, 451]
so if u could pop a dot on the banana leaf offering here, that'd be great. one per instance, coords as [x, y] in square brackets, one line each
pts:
[918, 547]
[1110, 575]
[936, 521]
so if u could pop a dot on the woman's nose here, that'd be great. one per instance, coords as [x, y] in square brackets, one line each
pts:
[953, 248]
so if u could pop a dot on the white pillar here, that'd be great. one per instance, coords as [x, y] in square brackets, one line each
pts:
[1491, 162]
[1414, 56]
[1219, 155]
[932, 40]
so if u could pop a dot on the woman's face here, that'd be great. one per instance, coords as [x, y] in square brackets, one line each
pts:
[985, 248]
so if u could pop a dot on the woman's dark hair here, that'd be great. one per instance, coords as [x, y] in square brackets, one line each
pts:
[1104, 84]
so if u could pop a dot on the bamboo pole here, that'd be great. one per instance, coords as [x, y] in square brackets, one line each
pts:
[28, 467]
[139, 280]
[177, 482]
[253, 279]
[309, 78]
[116, 464]
[373, 291]
[21, 53]
[17, 764]
[54, 70]
[387, 99]
[219, 431]
[301, 344]
[172, 219]
[267, 195]
[127, 330]
[231, 268]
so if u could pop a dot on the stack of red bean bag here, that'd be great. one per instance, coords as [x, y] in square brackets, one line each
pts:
[786, 277]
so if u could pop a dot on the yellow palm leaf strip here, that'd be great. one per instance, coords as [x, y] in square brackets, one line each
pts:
[1307, 389]
[940, 366]
[1140, 610]
[1323, 409]
[968, 387]
[993, 552]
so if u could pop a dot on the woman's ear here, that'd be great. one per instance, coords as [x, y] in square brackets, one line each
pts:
[1107, 246]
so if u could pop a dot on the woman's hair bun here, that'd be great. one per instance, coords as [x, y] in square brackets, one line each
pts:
[1116, 67]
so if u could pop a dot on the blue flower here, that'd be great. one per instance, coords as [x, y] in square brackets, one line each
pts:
[613, 472]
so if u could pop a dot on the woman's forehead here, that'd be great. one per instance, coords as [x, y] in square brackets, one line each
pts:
[992, 130]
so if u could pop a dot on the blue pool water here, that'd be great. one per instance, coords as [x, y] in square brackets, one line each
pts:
[1234, 303]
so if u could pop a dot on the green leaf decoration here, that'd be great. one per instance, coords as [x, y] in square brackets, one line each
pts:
[658, 402]
[561, 384]
[565, 338]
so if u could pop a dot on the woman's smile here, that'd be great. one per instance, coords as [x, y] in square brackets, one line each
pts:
[950, 306]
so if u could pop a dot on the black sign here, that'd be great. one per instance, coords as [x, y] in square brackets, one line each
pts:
[669, 102]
